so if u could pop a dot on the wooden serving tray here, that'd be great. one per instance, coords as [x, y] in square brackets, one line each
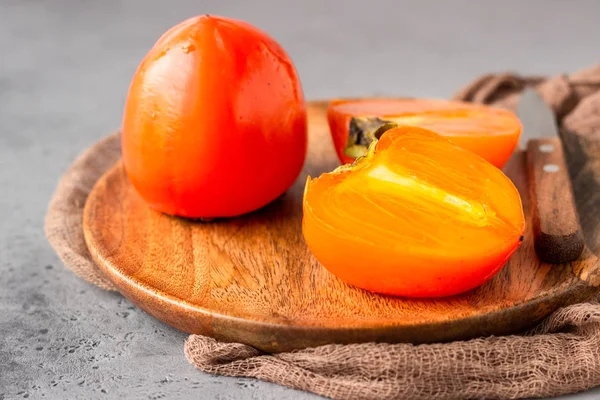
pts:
[253, 280]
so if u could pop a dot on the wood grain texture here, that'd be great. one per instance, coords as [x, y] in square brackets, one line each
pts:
[253, 280]
[556, 232]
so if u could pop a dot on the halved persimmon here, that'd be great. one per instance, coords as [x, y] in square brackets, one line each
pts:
[417, 216]
[492, 133]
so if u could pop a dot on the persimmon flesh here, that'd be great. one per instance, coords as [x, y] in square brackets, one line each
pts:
[417, 216]
[490, 132]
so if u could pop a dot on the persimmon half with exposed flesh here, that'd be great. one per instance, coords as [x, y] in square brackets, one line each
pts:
[492, 133]
[417, 216]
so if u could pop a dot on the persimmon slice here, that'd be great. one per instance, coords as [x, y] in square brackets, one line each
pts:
[417, 216]
[492, 133]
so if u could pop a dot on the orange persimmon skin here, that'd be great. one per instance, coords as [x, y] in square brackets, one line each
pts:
[215, 120]
[491, 133]
[417, 217]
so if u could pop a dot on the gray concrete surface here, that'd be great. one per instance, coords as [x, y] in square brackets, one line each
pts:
[64, 70]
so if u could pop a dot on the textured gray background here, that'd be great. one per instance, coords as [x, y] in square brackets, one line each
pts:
[64, 70]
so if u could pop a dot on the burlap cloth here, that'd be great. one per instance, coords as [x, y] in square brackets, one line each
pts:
[561, 355]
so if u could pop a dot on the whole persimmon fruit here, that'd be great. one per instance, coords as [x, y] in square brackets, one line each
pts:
[215, 120]
[489, 132]
[417, 216]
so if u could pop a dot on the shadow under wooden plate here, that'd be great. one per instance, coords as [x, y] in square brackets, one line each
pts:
[253, 280]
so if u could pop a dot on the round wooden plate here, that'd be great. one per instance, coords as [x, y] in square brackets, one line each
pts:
[253, 280]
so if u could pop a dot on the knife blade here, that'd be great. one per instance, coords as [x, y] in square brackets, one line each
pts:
[557, 233]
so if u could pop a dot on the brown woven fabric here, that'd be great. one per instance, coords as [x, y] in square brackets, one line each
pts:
[567, 95]
[64, 220]
[548, 363]
[561, 355]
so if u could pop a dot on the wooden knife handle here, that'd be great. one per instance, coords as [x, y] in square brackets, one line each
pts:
[557, 234]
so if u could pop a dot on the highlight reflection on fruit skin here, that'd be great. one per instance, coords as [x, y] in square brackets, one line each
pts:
[417, 216]
[491, 133]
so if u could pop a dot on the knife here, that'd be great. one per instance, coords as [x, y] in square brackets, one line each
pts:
[557, 233]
